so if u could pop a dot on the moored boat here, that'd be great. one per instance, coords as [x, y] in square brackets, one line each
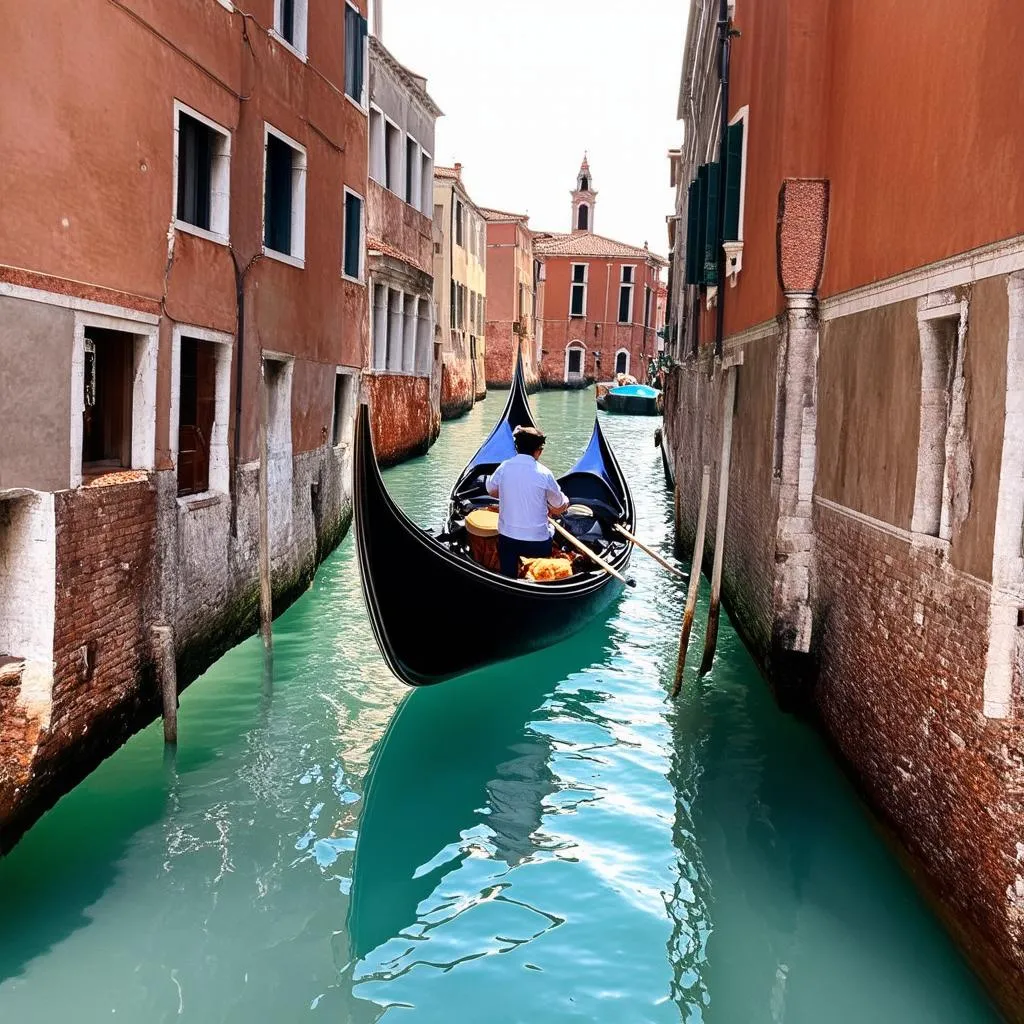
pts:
[436, 610]
[631, 400]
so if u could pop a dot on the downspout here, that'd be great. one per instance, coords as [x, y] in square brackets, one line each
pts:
[725, 45]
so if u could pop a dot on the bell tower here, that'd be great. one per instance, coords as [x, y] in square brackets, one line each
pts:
[583, 199]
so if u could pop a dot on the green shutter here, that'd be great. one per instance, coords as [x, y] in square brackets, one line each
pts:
[734, 171]
[711, 226]
[702, 223]
[692, 213]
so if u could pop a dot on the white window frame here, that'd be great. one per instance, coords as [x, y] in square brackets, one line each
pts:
[377, 117]
[220, 180]
[361, 104]
[220, 472]
[146, 347]
[582, 348]
[631, 285]
[400, 171]
[297, 257]
[572, 285]
[619, 352]
[299, 47]
[346, 191]
[416, 199]
[743, 114]
[426, 190]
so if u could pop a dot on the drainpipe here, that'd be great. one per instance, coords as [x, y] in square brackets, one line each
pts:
[725, 44]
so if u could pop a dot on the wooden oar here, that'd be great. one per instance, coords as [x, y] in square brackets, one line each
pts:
[580, 546]
[654, 554]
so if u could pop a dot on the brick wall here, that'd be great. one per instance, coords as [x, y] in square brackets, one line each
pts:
[401, 416]
[457, 391]
[902, 638]
[502, 345]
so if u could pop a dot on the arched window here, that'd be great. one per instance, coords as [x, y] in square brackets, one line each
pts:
[583, 217]
[622, 361]
[575, 354]
[584, 184]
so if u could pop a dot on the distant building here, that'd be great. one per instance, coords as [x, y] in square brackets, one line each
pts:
[597, 303]
[400, 205]
[460, 288]
[512, 274]
[181, 258]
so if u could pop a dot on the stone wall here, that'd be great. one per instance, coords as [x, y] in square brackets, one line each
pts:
[502, 345]
[402, 419]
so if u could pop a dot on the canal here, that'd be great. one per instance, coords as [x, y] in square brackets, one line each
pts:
[547, 840]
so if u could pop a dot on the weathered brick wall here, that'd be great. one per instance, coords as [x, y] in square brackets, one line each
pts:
[902, 638]
[457, 391]
[500, 357]
[401, 417]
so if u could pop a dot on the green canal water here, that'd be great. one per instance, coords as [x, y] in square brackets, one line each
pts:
[548, 840]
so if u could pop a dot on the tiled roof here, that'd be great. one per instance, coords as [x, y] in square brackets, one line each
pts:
[585, 243]
[446, 172]
[502, 215]
[379, 245]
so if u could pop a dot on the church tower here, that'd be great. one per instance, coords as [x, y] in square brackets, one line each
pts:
[583, 199]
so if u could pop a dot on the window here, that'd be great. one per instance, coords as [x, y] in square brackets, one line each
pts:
[377, 143]
[462, 307]
[647, 306]
[582, 217]
[412, 171]
[578, 291]
[459, 218]
[393, 157]
[290, 19]
[355, 54]
[344, 408]
[200, 400]
[622, 361]
[626, 296]
[353, 256]
[284, 198]
[202, 153]
[584, 184]
[426, 183]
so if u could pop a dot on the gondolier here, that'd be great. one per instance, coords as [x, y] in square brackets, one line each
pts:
[527, 492]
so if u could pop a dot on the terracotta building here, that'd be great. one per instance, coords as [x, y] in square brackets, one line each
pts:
[404, 379]
[512, 278]
[181, 247]
[872, 349]
[460, 290]
[596, 308]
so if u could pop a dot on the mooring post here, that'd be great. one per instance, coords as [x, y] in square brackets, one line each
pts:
[695, 566]
[711, 634]
[167, 671]
[266, 593]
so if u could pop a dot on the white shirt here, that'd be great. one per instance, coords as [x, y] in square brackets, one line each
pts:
[526, 490]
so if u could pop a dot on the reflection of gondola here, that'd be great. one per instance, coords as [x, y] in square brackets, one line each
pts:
[451, 764]
[435, 611]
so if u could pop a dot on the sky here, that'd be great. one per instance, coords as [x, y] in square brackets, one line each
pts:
[527, 86]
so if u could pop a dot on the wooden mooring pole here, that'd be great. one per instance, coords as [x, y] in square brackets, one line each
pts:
[266, 593]
[711, 634]
[167, 671]
[691, 594]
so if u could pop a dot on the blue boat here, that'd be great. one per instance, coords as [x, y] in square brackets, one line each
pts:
[631, 399]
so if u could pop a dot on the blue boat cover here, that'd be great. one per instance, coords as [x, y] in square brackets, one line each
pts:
[592, 461]
[635, 390]
[497, 448]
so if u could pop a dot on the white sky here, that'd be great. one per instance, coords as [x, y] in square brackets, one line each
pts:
[527, 85]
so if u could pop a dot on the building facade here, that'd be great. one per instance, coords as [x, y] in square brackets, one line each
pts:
[460, 292]
[512, 278]
[405, 406]
[596, 309]
[182, 311]
[871, 366]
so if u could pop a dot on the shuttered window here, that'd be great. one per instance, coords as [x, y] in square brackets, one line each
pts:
[734, 177]
[355, 49]
[692, 214]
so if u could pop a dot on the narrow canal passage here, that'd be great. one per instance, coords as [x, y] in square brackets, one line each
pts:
[548, 840]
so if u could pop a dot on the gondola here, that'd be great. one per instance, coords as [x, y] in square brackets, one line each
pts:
[435, 610]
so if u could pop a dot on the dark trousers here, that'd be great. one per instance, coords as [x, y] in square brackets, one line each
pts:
[510, 551]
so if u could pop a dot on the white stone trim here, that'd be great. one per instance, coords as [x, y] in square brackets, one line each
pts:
[346, 192]
[576, 344]
[759, 332]
[143, 389]
[347, 412]
[301, 27]
[1005, 257]
[618, 352]
[103, 309]
[220, 481]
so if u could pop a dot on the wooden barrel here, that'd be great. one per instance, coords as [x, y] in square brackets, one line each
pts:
[482, 528]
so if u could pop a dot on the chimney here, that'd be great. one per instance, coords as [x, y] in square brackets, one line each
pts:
[458, 170]
[377, 19]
